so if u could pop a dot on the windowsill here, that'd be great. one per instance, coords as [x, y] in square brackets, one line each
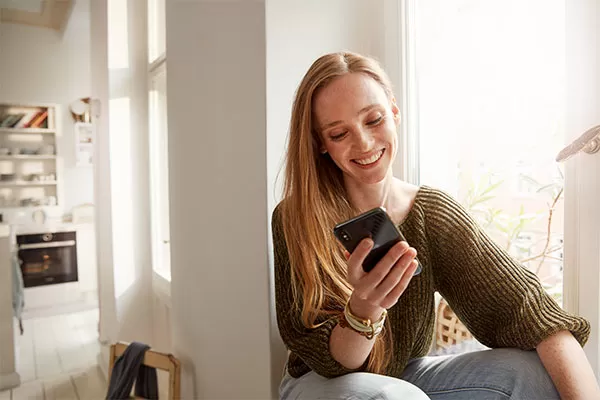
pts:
[161, 285]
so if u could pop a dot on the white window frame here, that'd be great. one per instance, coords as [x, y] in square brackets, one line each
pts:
[156, 67]
[399, 50]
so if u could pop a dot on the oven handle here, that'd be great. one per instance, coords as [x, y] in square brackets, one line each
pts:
[33, 246]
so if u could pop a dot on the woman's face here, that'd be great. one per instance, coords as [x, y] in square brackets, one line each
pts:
[357, 123]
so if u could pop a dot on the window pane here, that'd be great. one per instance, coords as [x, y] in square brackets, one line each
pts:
[490, 115]
[121, 175]
[156, 29]
[159, 174]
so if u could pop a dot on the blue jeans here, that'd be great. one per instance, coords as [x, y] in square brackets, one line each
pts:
[487, 375]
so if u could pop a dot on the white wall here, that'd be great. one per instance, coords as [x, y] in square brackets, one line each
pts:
[38, 65]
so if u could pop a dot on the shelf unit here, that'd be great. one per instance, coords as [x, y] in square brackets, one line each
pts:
[28, 139]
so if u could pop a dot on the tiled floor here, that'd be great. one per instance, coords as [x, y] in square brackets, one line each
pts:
[56, 358]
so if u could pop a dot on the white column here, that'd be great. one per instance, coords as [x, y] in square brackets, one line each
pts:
[9, 378]
[216, 90]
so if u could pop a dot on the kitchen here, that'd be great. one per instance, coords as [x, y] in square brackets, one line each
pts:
[47, 229]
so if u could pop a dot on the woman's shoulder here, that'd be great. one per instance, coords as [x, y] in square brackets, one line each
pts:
[436, 207]
[428, 196]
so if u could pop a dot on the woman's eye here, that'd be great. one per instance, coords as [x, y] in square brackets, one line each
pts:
[375, 121]
[338, 136]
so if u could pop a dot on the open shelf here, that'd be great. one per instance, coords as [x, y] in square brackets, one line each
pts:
[27, 130]
[26, 183]
[29, 157]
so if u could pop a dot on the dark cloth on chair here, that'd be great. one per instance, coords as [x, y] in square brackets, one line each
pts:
[128, 369]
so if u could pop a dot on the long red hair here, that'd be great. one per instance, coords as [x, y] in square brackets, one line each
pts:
[315, 200]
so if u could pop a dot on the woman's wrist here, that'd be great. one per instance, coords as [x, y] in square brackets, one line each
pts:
[364, 310]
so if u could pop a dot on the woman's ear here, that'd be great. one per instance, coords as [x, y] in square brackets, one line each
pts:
[396, 111]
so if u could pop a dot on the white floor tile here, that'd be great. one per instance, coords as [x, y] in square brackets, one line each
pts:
[29, 391]
[47, 362]
[90, 384]
[60, 388]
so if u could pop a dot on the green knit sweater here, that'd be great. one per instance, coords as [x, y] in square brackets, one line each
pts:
[501, 303]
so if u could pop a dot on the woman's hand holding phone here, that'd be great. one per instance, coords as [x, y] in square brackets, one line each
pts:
[380, 288]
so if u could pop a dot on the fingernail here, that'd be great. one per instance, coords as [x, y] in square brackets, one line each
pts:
[367, 243]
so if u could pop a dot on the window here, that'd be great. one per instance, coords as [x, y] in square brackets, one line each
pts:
[159, 143]
[490, 84]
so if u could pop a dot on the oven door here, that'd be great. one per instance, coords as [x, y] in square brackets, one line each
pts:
[47, 263]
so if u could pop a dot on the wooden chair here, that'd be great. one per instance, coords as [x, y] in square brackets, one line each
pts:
[153, 359]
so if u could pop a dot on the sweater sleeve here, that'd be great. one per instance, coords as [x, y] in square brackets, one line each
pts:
[311, 345]
[502, 303]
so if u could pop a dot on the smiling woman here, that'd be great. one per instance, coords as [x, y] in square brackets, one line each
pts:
[342, 144]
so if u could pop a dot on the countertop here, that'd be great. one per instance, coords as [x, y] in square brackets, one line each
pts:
[48, 227]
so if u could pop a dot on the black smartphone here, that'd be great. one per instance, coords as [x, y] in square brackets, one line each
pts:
[375, 224]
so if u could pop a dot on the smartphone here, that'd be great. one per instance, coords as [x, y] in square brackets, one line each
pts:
[377, 225]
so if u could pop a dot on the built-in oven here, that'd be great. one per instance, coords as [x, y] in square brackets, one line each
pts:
[48, 258]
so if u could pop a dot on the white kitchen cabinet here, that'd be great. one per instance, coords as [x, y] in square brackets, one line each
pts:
[86, 257]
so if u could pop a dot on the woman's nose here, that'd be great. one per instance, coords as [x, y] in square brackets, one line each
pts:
[364, 140]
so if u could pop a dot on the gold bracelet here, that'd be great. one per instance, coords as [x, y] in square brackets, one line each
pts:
[364, 327]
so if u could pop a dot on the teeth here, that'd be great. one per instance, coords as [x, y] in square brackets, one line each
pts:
[370, 160]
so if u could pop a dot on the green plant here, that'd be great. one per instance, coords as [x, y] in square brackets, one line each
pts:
[500, 223]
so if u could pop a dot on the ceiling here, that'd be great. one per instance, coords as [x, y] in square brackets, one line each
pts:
[52, 14]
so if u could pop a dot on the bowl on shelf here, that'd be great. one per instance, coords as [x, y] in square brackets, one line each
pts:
[4, 151]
